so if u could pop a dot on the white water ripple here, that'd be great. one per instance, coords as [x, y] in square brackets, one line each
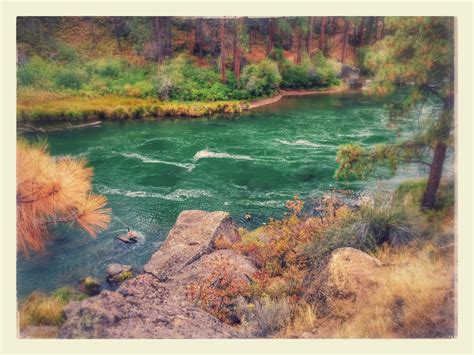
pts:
[178, 195]
[202, 154]
[300, 142]
[148, 160]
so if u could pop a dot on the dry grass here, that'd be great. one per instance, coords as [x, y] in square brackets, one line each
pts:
[37, 106]
[41, 309]
[414, 298]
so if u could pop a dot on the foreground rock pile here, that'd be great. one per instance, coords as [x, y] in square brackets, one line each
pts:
[154, 304]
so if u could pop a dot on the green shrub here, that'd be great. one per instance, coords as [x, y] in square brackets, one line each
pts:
[381, 220]
[37, 72]
[316, 73]
[67, 294]
[69, 78]
[65, 52]
[261, 79]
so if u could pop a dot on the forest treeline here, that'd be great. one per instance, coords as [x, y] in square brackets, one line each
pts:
[187, 59]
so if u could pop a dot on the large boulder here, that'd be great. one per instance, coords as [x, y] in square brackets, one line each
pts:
[155, 304]
[193, 235]
[350, 75]
[349, 275]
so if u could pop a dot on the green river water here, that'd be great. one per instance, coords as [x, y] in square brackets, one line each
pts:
[249, 163]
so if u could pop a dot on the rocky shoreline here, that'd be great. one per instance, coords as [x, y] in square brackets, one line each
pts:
[155, 303]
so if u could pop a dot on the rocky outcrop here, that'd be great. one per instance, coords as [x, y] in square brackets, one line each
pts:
[349, 275]
[155, 304]
[192, 236]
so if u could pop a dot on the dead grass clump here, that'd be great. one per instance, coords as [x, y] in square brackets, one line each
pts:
[414, 299]
[41, 309]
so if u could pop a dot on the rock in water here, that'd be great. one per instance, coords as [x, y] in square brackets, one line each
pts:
[192, 236]
[117, 273]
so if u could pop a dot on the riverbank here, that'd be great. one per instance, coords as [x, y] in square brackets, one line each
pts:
[33, 106]
[252, 283]
[288, 93]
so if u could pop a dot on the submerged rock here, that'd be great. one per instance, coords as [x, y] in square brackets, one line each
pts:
[155, 304]
[117, 273]
[89, 286]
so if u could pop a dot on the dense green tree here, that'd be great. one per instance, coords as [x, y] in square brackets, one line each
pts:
[419, 52]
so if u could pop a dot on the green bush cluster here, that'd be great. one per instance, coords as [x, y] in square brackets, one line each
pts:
[176, 79]
[310, 74]
[384, 219]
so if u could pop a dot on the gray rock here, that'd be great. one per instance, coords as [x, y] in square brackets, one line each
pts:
[143, 308]
[350, 75]
[192, 236]
[114, 269]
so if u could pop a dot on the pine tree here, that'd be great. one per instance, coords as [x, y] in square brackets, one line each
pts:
[418, 51]
[51, 191]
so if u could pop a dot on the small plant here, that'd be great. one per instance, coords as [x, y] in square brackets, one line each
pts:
[296, 206]
[218, 291]
[90, 286]
[41, 309]
[271, 315]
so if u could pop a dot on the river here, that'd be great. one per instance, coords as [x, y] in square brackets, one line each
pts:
[250, 163]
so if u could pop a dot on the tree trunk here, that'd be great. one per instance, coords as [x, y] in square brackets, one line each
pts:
[439, 155]
[382, 32]
[376, 36]
[236, 47]
[158, 38]
[309, 39]
[298, 48]
[429, 196]
[169, 36]
[322, 47]
[198, 39]
[344, 41]
[361, 32]
[116, 32]
[271, 34]
[222, 37]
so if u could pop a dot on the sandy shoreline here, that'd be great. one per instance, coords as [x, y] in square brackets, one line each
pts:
[271, 100]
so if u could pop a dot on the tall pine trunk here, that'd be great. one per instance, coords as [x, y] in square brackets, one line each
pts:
[158, 38]
[309, 39]
[439, 155]
[236, 47]
[361, 32]
[322, 46]
[116, 32]
[429, 196]
[298, 48]
[271, 35]
[198, 38]
[222, 37]
[344, 41]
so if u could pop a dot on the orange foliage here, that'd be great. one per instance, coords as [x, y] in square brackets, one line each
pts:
[51, 191]
[217, 292]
